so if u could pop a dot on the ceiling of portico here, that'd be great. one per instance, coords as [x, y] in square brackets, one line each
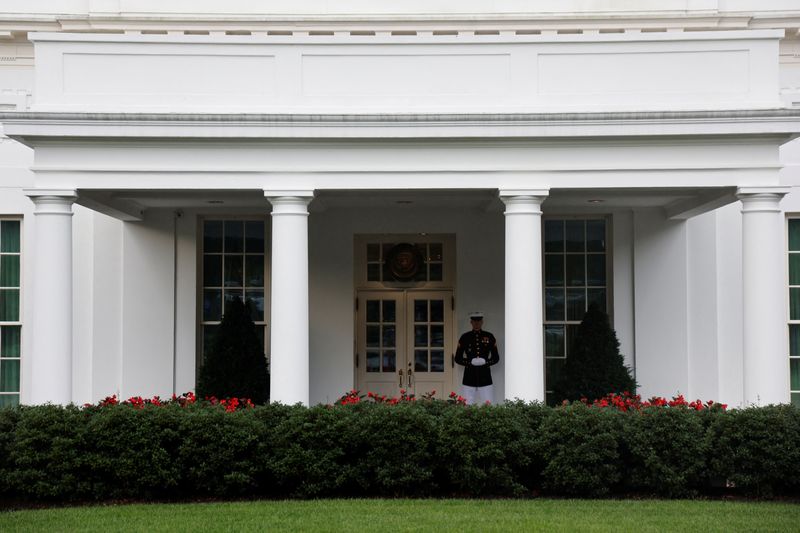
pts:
[675, 201]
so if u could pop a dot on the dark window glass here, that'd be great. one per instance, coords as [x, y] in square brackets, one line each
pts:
[212, 236]
[575, 235]
[553, 235]
[234, 236]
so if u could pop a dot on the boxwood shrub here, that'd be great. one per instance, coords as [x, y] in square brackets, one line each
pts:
[420, 448]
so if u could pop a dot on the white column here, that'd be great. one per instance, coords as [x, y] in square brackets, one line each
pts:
[766, 360]
[524, 348]
[289, 360]
[51, 330]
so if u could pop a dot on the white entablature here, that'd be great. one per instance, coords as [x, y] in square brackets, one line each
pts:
[416, 74]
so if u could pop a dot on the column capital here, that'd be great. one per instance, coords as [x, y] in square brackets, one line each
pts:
[761, 199]
[523, 201]
[533, 194]
[52, 201]
[289, 202]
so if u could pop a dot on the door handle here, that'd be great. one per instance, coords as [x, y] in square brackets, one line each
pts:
[410, 378]
[401, 377]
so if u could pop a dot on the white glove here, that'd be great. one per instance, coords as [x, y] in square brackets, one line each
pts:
[478, 361]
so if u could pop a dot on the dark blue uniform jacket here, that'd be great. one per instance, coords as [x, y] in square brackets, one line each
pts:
[474, 344]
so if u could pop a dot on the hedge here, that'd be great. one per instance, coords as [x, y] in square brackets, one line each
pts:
[409, 449]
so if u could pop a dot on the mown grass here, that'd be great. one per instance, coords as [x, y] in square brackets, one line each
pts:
[416, 515]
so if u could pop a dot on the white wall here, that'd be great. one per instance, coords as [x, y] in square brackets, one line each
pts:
[702, 312]
[661, 303]
[729, 304]
[147, 306]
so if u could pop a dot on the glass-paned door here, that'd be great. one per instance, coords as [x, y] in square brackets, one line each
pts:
[794, 310]
[405, 341]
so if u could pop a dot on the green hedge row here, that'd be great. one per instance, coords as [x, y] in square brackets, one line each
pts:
[431, 448]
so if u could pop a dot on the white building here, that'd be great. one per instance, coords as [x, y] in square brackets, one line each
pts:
[162, 157]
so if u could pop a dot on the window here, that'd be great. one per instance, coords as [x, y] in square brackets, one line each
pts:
[10, 317]
[234, 266]
[575, 276]
[794, 310]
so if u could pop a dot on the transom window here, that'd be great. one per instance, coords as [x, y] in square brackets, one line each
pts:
[404, 260]
[379, 256]
[794, 310]
[234, 266]
[10, 319]
[575, 277]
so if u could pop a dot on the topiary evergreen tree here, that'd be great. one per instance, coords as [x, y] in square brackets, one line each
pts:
[235, 365]
[594, 366]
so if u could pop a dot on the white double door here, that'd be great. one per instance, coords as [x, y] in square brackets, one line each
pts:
[405, 341]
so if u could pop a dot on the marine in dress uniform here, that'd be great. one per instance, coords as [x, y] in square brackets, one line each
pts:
[477, 351]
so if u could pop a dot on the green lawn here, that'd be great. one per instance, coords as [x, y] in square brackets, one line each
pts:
[417, 515]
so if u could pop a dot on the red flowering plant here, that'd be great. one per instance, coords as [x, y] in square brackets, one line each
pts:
[184, 400]
[633, 402]
[353, 397]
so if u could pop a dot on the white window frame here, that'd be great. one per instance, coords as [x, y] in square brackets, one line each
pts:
[21, 254]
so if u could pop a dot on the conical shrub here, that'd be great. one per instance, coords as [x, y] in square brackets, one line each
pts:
[594, 366]
[235, 366]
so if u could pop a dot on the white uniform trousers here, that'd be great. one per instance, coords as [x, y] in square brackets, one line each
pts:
[478, 395]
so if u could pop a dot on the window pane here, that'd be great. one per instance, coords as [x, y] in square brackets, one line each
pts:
[373, 252]
[576, 270]
[554, 270]
[389, 361]
[553, 368]
[794, 304]
[254, 270]
[212, 236]
[553, 235]
[794, 372]
[9, 271]
[420, 310]
[794, 234]
[576, 304]
[212, 270]
[595, 235]
[554, 304]
[373, 336]
[596, 297]
[794, 269]
[794, 339]
[437, 310]
[596, 270]
[254, 237]
[374, 272]
[234, 276]
[420, 335]
[9, 305]
[256, 300]
[209, 332]
[796, 399]
[212, 305]
[437, 336]
[420, 360]
[10, 341]
[389, 337]
[373, 311]
[575, 235]
[231, 296]
[9, 375]
[373, 362]
[437, 361]
[9, 236]
[572, 332]
[389, 312]
[234, 236]
[435, 271]
[435, 251]
[554, 341]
